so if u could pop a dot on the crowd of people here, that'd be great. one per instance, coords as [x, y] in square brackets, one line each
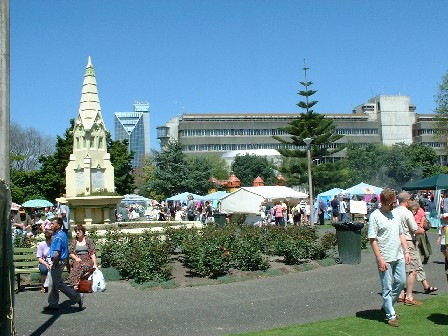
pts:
[57, 252]
[397, 234]
[189, 210]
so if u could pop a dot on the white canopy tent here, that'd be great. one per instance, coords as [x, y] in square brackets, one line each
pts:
[248, 199]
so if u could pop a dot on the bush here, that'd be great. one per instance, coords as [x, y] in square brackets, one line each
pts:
[175, 237]
[207, 256]
[140, 257]
[328, 241]
[364, 238]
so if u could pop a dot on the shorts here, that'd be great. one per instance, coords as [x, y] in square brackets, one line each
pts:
[416, 263]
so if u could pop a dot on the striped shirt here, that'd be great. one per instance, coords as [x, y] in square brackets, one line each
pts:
[386, 229]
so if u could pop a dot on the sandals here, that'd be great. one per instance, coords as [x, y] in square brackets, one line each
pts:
[412, 302]
[430, 289]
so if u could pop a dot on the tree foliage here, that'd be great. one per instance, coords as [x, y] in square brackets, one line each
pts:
[391, 166]
[308, 125]
[121, 160]
[200, 171]
[220, 170]
[170, 175]
[23, 185]
[26, 146]
[248, 167]
[52, 172]
[442, 112]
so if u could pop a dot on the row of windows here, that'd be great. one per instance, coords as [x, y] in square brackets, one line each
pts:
[267, 132]
[230, 147]
[425, 131]
[357, 131]
[230, 132]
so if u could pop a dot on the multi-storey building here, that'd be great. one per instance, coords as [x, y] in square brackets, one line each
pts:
[383, 119]
[134, 126]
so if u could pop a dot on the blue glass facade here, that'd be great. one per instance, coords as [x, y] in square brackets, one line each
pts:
[134, 126]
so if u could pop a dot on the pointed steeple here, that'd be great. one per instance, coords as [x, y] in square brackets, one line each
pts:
[90, 108]
[89, 169]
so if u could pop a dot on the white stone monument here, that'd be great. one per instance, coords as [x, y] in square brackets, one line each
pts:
[89, 169]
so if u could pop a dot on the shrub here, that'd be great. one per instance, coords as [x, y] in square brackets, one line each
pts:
[364, 238]
[175, 237]
[206, 256]
[328, 241]
[140, 257]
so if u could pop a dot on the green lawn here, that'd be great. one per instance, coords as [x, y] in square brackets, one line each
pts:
[430, 319]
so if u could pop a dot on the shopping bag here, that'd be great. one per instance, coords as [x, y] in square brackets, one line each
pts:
[48, 280]
[98, 282]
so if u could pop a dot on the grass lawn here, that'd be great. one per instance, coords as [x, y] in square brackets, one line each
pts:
[430, 319]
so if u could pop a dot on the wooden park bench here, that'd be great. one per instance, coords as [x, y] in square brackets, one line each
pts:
[25, 262]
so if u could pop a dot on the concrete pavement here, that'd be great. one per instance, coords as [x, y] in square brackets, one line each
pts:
[321, 294]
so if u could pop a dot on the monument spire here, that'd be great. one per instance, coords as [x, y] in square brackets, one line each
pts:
[89, 108]
[89, 169]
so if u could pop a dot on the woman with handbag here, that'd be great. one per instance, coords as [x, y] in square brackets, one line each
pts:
[424, 246]
[420, 218]
[82, 252]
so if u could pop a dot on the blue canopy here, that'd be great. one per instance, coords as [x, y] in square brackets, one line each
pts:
[326, 196]
[331, 192]
[184, 197]
[215, 196]
[363, 189]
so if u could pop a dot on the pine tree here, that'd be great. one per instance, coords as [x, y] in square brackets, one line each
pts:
[308, 124]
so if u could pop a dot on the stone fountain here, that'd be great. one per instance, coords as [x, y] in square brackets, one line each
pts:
[89, 170]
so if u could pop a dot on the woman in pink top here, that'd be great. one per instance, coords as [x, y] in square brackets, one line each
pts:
[423, 243]
[278, 214]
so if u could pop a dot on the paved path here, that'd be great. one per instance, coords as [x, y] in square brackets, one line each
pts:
[326, 293]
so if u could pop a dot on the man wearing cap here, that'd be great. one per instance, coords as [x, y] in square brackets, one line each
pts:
[64, 213]
[59, 256]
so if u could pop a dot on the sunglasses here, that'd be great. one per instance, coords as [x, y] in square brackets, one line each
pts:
[391, 204]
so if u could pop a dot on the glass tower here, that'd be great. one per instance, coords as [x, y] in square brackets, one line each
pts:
[134, 126]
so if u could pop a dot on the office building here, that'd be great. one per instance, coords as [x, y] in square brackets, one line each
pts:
[134, 127]
[382, 119]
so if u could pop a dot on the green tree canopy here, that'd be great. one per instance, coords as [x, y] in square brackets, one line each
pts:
[170, 175]
[442, 113]
[121, 160]
[248, 167]
[391, 166]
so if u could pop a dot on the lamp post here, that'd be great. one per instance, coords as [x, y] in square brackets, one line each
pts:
[310, 179]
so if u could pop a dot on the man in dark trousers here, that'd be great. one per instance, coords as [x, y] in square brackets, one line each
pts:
[335, 209]
[59, 256]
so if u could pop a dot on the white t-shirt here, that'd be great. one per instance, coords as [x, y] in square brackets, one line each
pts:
[386, 229]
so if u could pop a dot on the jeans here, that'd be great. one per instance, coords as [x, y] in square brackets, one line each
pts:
[392, 283]
[59, 284]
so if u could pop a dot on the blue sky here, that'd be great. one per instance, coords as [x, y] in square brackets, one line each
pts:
[236, 56]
